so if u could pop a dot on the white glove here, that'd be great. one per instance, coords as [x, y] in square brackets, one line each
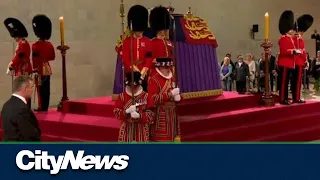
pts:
[298, 51]
[175, 91]
[131, 109]
[177, 98]
[135, 115]
[10, 73]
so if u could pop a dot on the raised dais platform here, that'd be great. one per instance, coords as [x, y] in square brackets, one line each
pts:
[230, 117]
[103, 106]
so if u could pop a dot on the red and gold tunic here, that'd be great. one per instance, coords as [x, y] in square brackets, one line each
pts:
[166, 126]
[129, 130]
[286, 45]
[21, 60]
[142, 54]
[161, 48]
[42, 53]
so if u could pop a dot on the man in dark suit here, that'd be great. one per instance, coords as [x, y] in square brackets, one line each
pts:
[272, 70]
[242, 73]
[18, 121]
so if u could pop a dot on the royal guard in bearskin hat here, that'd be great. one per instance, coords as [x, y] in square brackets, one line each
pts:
[162, 89]
[135, 119]
[20, 63]
[163, 95]
[138, 45]
[287, 53]
[160, 23]
[42, 52]
[302, 24]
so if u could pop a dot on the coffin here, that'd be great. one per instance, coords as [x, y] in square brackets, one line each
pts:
[197, 62]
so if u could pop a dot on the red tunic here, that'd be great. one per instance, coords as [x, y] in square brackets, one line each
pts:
[286, 45]
[21, 60]
[166, 126]
[42, 53]
[161, 48]
[142, 54]
[127, 128]
[301, 58]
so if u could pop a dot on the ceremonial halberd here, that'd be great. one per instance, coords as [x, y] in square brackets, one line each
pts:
[197, 62]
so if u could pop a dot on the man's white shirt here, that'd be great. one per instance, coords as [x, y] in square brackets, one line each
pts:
[20, 97]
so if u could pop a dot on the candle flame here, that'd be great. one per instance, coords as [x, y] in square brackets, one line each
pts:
[61, 18]
[267, 14]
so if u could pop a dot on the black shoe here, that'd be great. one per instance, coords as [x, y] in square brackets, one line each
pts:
[285, 102]
[39, 110]
[299, 101]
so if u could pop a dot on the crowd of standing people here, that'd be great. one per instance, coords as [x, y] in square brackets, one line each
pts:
[250, 76]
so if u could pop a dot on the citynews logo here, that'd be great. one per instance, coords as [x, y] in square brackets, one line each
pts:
[41, 160]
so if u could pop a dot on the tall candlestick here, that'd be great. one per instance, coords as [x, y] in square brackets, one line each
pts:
[267, 98]
[61, 30]
[266, 26]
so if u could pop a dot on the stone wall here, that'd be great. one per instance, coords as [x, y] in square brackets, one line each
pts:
[92, 28]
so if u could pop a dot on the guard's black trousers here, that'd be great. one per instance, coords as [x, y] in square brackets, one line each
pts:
[43, 92]
[284, 76]
[241, 87]
[296, 82]
[272, 78]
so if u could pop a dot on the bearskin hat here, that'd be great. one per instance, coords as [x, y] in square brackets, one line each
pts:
[15, 28]
[303, 23]
[138, 16]
[136, 78]
[159, 18]
[286, 22]
[42, 27]
[164, 62]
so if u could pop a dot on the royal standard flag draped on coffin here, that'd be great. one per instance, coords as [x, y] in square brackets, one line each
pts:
[196, 31]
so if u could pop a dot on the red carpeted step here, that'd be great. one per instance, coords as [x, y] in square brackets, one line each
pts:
[99, 106]
[300, 135]
[66, 127]
[260, 129]
[51, 138]
[103, 106]
[89, 128]
[229, 101]
[218, 121]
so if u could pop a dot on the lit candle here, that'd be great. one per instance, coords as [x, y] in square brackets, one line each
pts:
[61, 30]
[266, 26]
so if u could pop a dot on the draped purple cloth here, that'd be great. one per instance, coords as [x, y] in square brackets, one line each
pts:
[198, 69]
[118, 78]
